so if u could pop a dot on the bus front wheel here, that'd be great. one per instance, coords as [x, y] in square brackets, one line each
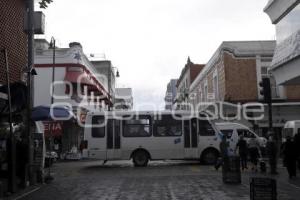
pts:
[140, 158]
[209, 157]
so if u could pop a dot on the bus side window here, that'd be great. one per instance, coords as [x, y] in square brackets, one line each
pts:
[117, 134]
[137, 127]
[187, 134]
[205, 128]
[98, 127]
[167, 126]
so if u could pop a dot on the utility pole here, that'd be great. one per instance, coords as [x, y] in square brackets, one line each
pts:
[273, 144]
[12, 142]
[267, 94]
[30, 41]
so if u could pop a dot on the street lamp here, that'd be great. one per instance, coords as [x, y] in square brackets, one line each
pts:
[109, 83]
[51, 45]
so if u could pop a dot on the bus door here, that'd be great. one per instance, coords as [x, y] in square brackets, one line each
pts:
[167, 138]
[113, 140]
[97, 140]
[190, 138]
[207, 135]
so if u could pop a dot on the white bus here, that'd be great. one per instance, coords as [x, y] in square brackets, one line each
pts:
[144, 136]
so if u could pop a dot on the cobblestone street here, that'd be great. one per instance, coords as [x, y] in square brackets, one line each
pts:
[160, 180]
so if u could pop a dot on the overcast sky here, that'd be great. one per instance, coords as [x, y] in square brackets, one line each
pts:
[149, 40]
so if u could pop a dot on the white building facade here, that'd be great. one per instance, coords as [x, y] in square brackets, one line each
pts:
[286, 61]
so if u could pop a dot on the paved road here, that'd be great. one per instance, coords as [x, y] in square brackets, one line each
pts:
[160, 180]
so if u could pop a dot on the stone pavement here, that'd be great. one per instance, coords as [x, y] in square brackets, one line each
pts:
[161, 180]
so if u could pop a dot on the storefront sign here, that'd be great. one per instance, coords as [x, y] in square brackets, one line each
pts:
[53, 129]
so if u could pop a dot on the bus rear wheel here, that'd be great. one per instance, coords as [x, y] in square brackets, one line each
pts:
[140, 158]
[209, 157]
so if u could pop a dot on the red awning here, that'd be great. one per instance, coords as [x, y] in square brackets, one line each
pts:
[81, 77]
[78, 77]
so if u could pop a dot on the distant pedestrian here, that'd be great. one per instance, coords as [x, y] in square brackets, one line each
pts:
[290, 157]
[224, 153]
[243, 152]
[253, 152]
[272, 154]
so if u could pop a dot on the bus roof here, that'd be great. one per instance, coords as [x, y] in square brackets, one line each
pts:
[164, 112]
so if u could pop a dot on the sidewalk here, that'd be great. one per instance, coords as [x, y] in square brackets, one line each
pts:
[24, 192]
[286, 188]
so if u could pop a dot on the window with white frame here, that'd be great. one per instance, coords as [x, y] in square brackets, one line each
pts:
[274, 87]
[216, 85]
[205, 91]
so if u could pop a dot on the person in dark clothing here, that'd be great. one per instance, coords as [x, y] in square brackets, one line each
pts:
[290, 157]
[253, 146]
[224, 153]
[297, 144]
[243, 152]
[272, 155]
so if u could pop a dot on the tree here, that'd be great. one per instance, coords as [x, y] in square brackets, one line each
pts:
[44, 3]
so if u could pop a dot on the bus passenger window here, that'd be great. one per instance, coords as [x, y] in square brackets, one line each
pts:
[205, 128]
[167, 126]
[137, 127]
[98, 127]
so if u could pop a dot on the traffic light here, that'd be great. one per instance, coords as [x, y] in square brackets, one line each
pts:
[265, 89]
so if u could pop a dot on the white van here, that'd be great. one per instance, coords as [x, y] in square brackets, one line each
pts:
[291, 128]
[234, 130]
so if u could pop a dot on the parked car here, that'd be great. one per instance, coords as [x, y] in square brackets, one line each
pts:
[234, 130]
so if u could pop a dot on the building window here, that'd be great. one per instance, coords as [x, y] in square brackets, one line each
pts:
[274, 86]
[216, 85]
[137, 127]
[205, 91]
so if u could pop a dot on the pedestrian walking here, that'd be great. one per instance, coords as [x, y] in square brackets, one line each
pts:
[224, 153]
[290, 157]
[253, 152]
[272, 154]
[243, 152]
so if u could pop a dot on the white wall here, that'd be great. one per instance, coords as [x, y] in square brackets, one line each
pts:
[42, 85]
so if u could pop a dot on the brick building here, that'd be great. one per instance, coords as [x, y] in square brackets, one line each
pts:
[186, 78]
[233, 74]
[13, 39]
